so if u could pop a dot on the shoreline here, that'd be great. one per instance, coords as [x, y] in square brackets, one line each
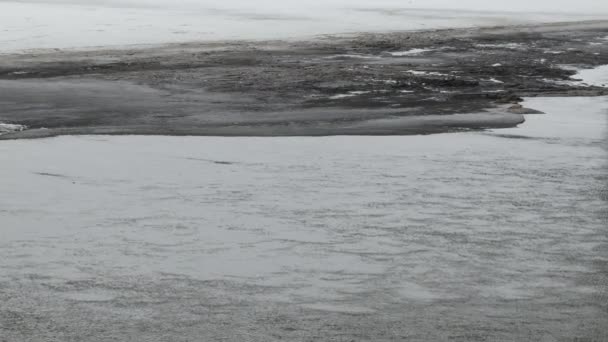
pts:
[400, 83]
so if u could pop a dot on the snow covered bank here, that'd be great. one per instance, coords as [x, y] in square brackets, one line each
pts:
[7, 128]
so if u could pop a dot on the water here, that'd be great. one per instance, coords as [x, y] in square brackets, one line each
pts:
[498, 235]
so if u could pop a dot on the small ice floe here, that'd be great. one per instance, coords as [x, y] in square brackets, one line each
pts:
[406, 91]
[542, 60]
[349, 94]
[412, 52]
[497, 65]
[19, 73]
[425, 73]
[8, 128]
[510, 46]
[553, 52]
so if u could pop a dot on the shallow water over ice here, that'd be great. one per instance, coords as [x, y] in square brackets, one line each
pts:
[452, 229]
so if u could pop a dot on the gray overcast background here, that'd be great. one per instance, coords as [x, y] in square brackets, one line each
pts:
[588, 6]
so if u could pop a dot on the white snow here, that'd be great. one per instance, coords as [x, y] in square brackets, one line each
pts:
[349, 94]
[412, 52]
[425, 73]
[493, 80]
[511, 46]
[7, 128]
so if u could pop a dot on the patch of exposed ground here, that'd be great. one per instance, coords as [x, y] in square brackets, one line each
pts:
[332, 85]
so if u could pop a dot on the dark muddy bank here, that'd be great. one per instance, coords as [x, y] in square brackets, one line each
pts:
[367, 84]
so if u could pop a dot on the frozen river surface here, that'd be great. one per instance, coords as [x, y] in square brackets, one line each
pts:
[480, 236]
[50, 24]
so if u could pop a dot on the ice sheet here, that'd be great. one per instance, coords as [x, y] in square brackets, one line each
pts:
[68, 24]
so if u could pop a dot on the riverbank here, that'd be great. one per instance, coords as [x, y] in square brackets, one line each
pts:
[362, 84]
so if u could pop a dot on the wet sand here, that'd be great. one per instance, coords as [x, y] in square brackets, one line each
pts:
[361, 84]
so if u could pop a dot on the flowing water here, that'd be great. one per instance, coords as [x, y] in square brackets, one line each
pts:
[495, 236]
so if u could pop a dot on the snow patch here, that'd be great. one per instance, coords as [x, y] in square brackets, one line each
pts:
[425, 73]
[510, 46]
[412, 52]
[8, 128]
[349, 94]
[493, 80]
